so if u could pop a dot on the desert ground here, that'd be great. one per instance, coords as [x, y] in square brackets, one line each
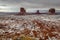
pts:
[30, 27]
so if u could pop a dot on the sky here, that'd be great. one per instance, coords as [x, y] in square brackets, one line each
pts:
[14, 5]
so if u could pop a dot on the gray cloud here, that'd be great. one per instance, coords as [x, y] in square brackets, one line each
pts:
[15, 4]
[31, 3]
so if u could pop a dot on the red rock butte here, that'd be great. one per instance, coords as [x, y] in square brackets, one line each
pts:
[22, 10]
[52, 10]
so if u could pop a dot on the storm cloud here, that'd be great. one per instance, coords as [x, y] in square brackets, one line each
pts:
[30, 3]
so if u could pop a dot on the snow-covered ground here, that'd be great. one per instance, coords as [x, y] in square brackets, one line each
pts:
[41, 27]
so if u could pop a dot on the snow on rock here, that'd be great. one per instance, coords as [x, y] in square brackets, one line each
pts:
[42, 27]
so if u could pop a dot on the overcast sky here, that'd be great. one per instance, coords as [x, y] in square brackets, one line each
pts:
[14, 5]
